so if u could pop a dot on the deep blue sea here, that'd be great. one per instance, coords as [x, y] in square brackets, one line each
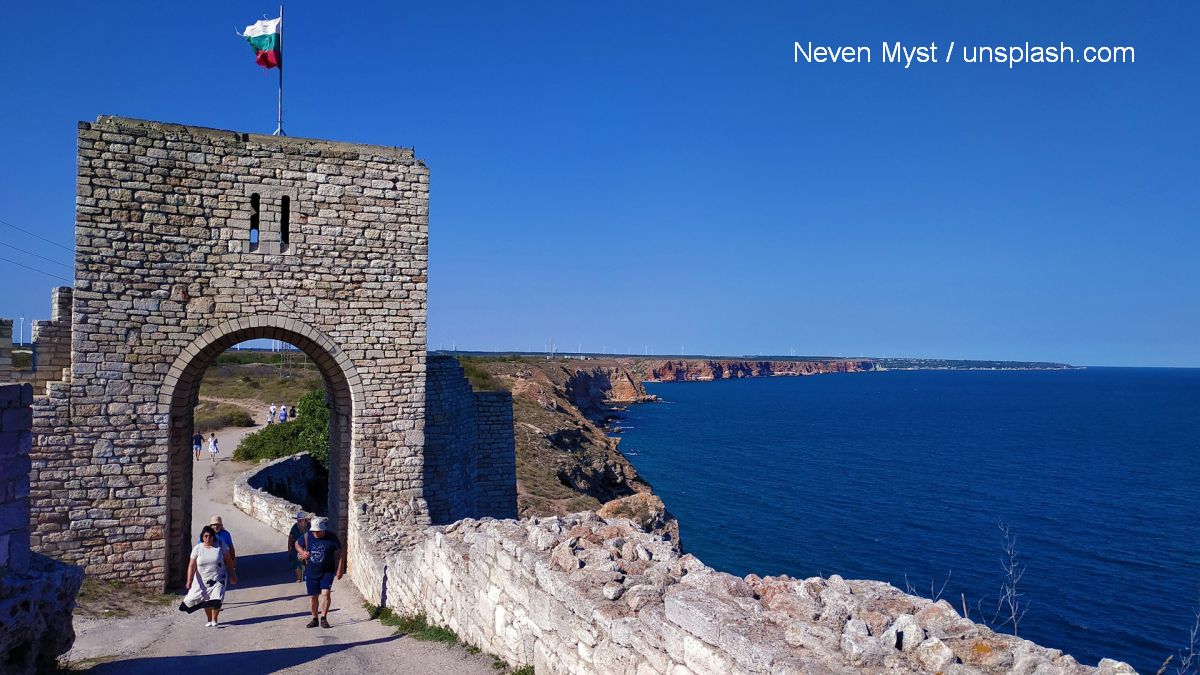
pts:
[907, 473]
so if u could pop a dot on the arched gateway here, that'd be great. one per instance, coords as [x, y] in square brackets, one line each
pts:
[181, 391]
[190, 240]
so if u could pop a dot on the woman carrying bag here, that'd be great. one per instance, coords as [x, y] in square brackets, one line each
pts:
[210, 567]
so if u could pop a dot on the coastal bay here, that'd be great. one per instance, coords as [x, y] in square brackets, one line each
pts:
[904, 477]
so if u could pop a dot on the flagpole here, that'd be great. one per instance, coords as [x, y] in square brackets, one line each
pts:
[279, 123]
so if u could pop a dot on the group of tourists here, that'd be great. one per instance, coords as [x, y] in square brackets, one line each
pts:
[315, 554]
[280, 413]
[198, 443]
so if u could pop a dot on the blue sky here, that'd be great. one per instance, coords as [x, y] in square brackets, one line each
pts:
[626, 176]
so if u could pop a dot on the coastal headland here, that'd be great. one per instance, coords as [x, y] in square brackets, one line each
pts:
[567, 411]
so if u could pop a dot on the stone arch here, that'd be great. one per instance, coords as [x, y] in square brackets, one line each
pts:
[180, 392]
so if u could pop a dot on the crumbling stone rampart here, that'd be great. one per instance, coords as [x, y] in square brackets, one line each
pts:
[51, 344]
[37, 594]
[470, 451]
[6, 345]
[581, 594]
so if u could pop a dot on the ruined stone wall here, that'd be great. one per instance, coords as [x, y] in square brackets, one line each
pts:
[580, 594]
[451, 462]
[37, 594]
[255, 492]
[6, 345]
[52, 342]
[496, 450]
[51, 346]
[168, 275]
[16, 420]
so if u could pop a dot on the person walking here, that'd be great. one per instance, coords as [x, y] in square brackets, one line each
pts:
[223, 537]
[282, 414]
[197, 443]
[271, 414]
[325, 560]
[209, 571]
[213, 448]
[299, 528]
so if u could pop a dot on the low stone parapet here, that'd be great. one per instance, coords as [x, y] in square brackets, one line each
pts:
[581, 594]
[287, 474]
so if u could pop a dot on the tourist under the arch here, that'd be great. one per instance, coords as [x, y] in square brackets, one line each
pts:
[223, 537]
[325, 560]
[209, 571]
[299, 529]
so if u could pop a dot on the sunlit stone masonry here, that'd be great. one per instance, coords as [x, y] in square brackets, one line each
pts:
[188, 241]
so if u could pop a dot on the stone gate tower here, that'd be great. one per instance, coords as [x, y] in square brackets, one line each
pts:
[191, 240]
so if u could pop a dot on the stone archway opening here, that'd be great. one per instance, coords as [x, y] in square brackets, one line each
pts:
[181, 394]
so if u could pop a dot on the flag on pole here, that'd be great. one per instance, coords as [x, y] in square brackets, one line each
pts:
[265, 37]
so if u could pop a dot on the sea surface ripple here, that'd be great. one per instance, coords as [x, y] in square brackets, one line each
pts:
[906, 475]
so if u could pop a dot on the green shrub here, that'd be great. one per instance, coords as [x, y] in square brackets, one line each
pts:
[478, 375]
[309, 432]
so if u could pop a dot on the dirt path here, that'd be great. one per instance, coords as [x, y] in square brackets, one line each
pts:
[263, 620]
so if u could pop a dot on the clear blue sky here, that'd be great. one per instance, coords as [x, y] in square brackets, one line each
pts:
[632, 175]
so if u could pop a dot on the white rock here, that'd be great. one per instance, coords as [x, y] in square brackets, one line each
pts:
[934, 655]
[905, 633]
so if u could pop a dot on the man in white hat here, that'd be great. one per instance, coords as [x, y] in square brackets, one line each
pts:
[324, 560]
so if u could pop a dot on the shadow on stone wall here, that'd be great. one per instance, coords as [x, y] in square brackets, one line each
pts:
[37, 594]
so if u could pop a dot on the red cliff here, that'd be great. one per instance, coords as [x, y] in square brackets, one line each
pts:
[725, 369]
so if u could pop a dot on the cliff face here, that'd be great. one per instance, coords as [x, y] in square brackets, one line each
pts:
[566, 462]
[725, 369]
[594, 388]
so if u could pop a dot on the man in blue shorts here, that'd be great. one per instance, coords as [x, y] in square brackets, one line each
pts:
[325, 560]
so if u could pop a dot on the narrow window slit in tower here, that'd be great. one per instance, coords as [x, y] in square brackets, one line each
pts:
[284, 219]
[254, 222]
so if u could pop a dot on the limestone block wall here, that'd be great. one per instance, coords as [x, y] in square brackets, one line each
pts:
[167, 277]
[451, 461]
[16, 419]
[52, 341]
[37, 594]
[6, 345]
[251, 495]
[496, 450]
[51, 346]
[581, 594]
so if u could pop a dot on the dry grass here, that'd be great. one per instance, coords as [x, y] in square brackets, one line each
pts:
[113, 599]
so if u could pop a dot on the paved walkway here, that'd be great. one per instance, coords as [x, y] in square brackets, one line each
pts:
[263, 620]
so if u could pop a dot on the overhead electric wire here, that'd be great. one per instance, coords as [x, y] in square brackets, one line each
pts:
[21, 229]
[49, 260]
[34, 269]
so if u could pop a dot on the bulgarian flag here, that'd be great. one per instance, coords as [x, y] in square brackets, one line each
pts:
[266, 37]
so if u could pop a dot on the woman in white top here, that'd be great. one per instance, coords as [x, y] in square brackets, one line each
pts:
[212, 447]
[207, 576]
